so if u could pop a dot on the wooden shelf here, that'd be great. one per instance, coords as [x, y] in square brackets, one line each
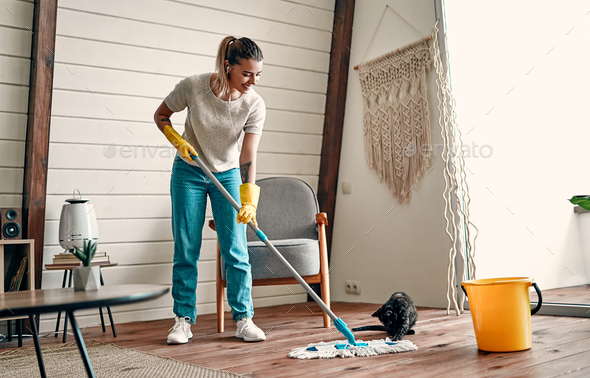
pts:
[29, 251]
[29, 277]
[70, 267]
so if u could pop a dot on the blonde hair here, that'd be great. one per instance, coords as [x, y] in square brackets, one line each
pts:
[233, 50]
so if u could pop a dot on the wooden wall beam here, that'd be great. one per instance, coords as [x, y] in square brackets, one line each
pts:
[39, 115]
[334, 114]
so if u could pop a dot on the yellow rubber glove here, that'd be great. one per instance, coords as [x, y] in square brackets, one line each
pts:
[249, 194]
[179, 143]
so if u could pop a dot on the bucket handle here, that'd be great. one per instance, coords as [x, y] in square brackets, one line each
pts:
[539, 303]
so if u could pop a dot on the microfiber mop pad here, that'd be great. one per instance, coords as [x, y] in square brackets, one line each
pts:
[343, 349]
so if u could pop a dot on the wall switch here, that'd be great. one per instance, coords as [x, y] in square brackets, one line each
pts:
[353, 287]
[346, 188]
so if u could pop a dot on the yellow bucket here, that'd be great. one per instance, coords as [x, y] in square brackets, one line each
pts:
[501, 312]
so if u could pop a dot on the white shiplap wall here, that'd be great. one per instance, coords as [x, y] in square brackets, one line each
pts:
[15, 62]
[115, 61]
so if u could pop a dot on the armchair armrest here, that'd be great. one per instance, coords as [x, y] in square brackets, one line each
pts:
[321, 218]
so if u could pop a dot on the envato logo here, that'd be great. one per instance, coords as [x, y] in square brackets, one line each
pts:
[125, 151]
[465, 151]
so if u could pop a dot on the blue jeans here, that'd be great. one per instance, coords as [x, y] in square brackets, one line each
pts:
[189, 187]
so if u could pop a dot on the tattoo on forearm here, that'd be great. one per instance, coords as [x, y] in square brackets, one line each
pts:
[245, 171]
[165, 119]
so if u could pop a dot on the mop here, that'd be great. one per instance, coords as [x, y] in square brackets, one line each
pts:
[345, 348]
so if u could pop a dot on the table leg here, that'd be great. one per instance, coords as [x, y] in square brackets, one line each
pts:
[9, 336]
[112, 321]
[37, 346]
[63, 284]
[19, 331]
[81, 345]
[66, 316]
[100, 308]
[101, 319]
[109, 312]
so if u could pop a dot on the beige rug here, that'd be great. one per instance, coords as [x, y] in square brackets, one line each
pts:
[107, 360]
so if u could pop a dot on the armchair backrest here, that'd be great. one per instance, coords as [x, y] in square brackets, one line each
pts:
[286, 209]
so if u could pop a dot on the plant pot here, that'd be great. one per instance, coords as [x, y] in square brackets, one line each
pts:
[584, 223]
[86, 278]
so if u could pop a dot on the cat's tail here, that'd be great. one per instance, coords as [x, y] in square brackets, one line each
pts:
[371, 328]
[379, 328]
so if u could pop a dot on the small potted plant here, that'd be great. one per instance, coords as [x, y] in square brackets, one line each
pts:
[582, 211]
[86, 277]
[582, 201]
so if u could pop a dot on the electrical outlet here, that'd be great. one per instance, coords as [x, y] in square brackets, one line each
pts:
[346, 188]
[356, 287]
[353, 287]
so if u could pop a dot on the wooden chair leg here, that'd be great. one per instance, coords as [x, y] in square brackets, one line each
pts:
[220, 308]
[325, 285]
[219, 288]
[322, 221]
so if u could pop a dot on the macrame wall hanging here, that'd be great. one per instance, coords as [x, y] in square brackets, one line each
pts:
[396, 123]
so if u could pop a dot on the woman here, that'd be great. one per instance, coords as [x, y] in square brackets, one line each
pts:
[221, 105]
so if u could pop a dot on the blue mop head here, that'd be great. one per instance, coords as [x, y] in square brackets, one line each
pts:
[343, 349]
[343, 328]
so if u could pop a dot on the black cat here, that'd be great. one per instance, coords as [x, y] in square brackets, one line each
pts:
[398, 316]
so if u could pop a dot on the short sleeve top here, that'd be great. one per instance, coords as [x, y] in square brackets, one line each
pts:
[213, 126]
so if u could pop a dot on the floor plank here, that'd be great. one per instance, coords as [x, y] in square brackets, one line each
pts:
[571, 295]
[447, 345]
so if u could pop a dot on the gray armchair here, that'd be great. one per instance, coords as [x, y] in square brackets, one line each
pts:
[288, 213]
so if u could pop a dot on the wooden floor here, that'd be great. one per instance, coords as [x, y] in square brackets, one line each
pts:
[571, 295]
[447, 346]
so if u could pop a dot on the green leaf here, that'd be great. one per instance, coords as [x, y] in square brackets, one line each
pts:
[582, 201]
[80, 255]
[87, 253]
[91, 251]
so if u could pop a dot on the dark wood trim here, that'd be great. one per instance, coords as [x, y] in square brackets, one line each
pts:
[334, 114]
[39, 115]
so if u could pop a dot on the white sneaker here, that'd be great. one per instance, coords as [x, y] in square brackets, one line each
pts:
[181, 332]
[248, 331]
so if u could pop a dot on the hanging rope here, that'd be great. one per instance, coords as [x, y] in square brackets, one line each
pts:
[459, 227]
[377, 28]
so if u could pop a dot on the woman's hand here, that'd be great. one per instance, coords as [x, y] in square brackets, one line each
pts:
[162, 119]
[249, 192]
[184, 148]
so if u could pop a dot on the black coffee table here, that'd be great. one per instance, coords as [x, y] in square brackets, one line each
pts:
[32, 302]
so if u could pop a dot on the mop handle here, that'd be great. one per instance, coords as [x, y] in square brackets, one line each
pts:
[265, 240]
[339, 323]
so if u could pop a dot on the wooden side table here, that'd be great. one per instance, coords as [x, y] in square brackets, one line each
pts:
[28, 280]
[66, 269]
